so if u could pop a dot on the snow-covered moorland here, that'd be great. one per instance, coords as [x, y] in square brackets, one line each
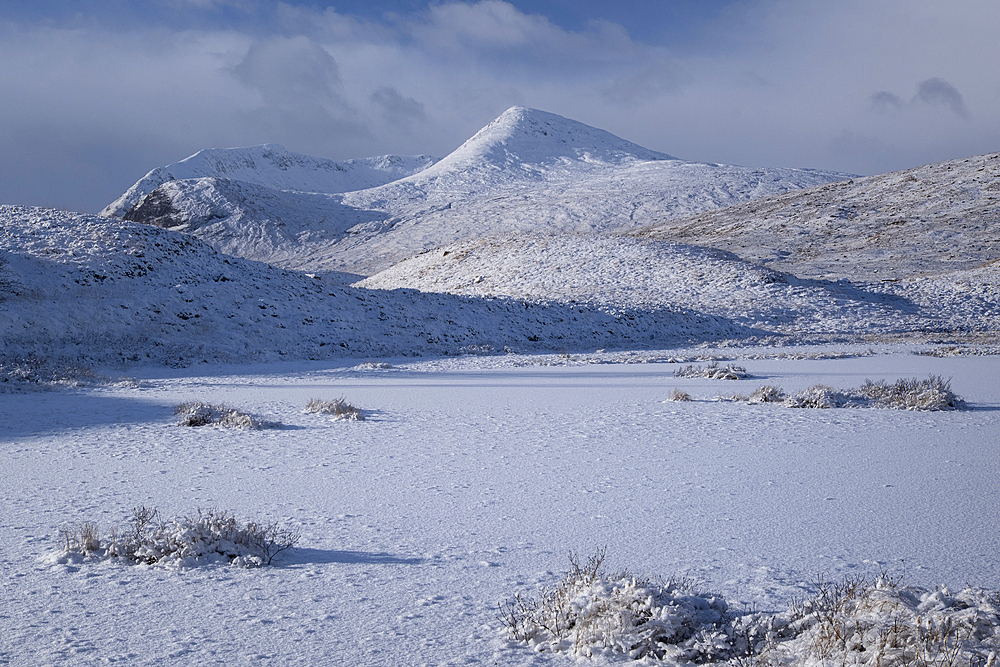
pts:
[553, 377]
[470, 482]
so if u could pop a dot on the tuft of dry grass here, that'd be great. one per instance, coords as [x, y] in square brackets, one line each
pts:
[207, 537]
[713, 372]
[339, 408]
[934, 393]
[767, 394]
[679, 395]
[196, 413]
[590, 613]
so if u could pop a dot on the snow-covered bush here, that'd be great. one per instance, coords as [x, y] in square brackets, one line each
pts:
[339, 408]
[31, 373]
[934, 393]
[591, 613]
[767, 394]
[195, 413]
[679, 395]
[713, 372]
[875, 621]
[818, 396]
[209, 537]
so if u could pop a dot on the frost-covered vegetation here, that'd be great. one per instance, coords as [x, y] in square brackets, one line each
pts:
[32, 373]
[680, 396]
[933, 393]
[590, 612]
[864, 621]
[208, 537]
[338, 407]
[879, 622]
[196, 413]
[713, 371]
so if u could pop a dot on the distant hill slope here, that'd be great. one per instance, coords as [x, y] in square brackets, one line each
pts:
[932, 219]
[644, 273]
[82, 289]
[527, 171]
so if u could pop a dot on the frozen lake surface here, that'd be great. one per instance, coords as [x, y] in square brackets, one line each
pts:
[471, 480]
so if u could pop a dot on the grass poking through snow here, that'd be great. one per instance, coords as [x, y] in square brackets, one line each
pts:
[339, 408]
[196, 413]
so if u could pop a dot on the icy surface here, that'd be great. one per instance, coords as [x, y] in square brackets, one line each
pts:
[469, 482]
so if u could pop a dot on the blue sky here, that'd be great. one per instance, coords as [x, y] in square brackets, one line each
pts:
[95, 93]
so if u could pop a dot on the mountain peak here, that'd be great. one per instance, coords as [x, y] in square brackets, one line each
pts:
[525, 136]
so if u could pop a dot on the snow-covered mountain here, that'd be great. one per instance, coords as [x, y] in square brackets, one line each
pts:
[273, 166]
[527, 171]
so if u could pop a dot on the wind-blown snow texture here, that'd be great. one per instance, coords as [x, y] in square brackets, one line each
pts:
[526, 171]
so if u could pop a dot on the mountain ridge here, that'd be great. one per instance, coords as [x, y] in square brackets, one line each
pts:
[274, 166]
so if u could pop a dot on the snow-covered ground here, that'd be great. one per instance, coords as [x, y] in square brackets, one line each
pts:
[469, 482]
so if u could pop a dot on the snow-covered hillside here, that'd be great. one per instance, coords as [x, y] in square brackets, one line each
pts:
[932, 219]
[82, 289]
[527, 171]
[273, 166]
[652, 273]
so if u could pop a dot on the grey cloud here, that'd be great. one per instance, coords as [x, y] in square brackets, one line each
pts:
[290, 70]
[396, 109]
[303, 101]
[884, 101]
[645, 84]
[939, 91]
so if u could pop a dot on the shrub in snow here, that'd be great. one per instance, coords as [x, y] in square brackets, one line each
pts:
[373, 365]
[195, 413]
[713, 372]
[818, 396]
[679, 395]
[934, 393]
[878, 622]
[767, 394]
[32, 373]
[591, 613]
[209, 537]
[339, 408]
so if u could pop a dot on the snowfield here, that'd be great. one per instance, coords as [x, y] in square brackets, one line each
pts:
[470, 482]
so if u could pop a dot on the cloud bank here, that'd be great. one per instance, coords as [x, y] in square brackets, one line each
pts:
[863, 87]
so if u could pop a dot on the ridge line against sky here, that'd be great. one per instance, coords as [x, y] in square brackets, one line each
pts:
[95, 94]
